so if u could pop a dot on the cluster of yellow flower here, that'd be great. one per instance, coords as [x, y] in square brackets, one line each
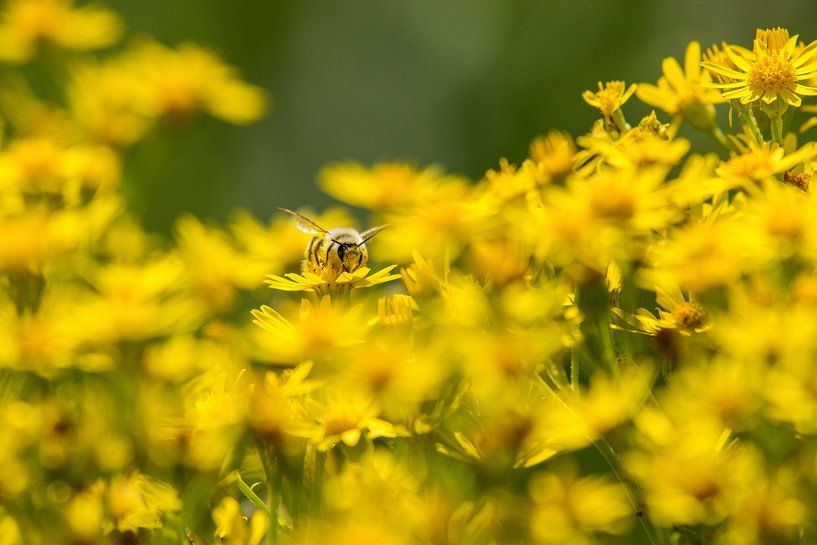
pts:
[613, 341]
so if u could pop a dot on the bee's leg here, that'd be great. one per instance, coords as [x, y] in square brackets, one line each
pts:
[328, 249]
[359, 261]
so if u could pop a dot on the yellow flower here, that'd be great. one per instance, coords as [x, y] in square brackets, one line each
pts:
[321, 330]
[9, 530]
[776, 68]
[675, 312]
[700, 256]
[576, 419]
[421, 279]
[33, 238]
[767, 509]
[343, 418]
[688, 469]
[137, 301]
[138, 501]
[610, 97]
[384, 186]
[510, 182]
[568, 509]
[215, 267]
[553, 154]
[727, 390]
[590, 221]
[176, 85]
[760, 162]
[274, 412]
[683, 93]
[313, 283]
[642, 146]
[101, 102]
[24, 24]
[233, 528]
[86, 512]
[36, 166]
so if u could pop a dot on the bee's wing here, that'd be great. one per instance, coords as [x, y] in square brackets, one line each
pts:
[369, 233]
[305, 224]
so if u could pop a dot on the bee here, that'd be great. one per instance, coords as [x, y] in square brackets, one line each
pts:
[334, 251]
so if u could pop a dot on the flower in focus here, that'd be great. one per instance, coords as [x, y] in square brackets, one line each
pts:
[776, 68]
[311, 282]
[610, 97]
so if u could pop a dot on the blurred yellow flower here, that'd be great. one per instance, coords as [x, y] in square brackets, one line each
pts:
[385, 186]
[568, 509]
[233, 528]
[320, 330]
[176, 85]
[138, 501]
[25, 24]
[683, 93]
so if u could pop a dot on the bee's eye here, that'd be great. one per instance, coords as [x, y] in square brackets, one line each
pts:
[341, 251]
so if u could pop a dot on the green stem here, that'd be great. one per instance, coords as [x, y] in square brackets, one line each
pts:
[777, 129]
[317, 485]
[634, 493]
[718, 135]
[250, 494]
[574, 368]
[749, 118]
[272, 470]
[619, 121]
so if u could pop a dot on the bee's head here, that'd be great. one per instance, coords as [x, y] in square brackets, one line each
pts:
[352, 255]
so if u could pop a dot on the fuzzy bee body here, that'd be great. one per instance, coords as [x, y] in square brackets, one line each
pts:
[332, 252]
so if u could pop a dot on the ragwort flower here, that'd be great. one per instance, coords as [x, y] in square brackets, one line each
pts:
[776, 68]
[683, 93]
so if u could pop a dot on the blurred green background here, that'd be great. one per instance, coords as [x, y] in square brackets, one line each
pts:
[458, 83]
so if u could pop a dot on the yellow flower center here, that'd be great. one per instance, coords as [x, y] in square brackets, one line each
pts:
[337, 421]
[757, 165]
[772, 73]
[690, 315]
[615, 204]
[610, 97]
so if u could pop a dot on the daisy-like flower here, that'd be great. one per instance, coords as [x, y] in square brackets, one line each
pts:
[682, 92]
[320, 330]
[776, 68]
[674, 313]
[26, 24]
[316, 284]
[344, 417]
[759, 162]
